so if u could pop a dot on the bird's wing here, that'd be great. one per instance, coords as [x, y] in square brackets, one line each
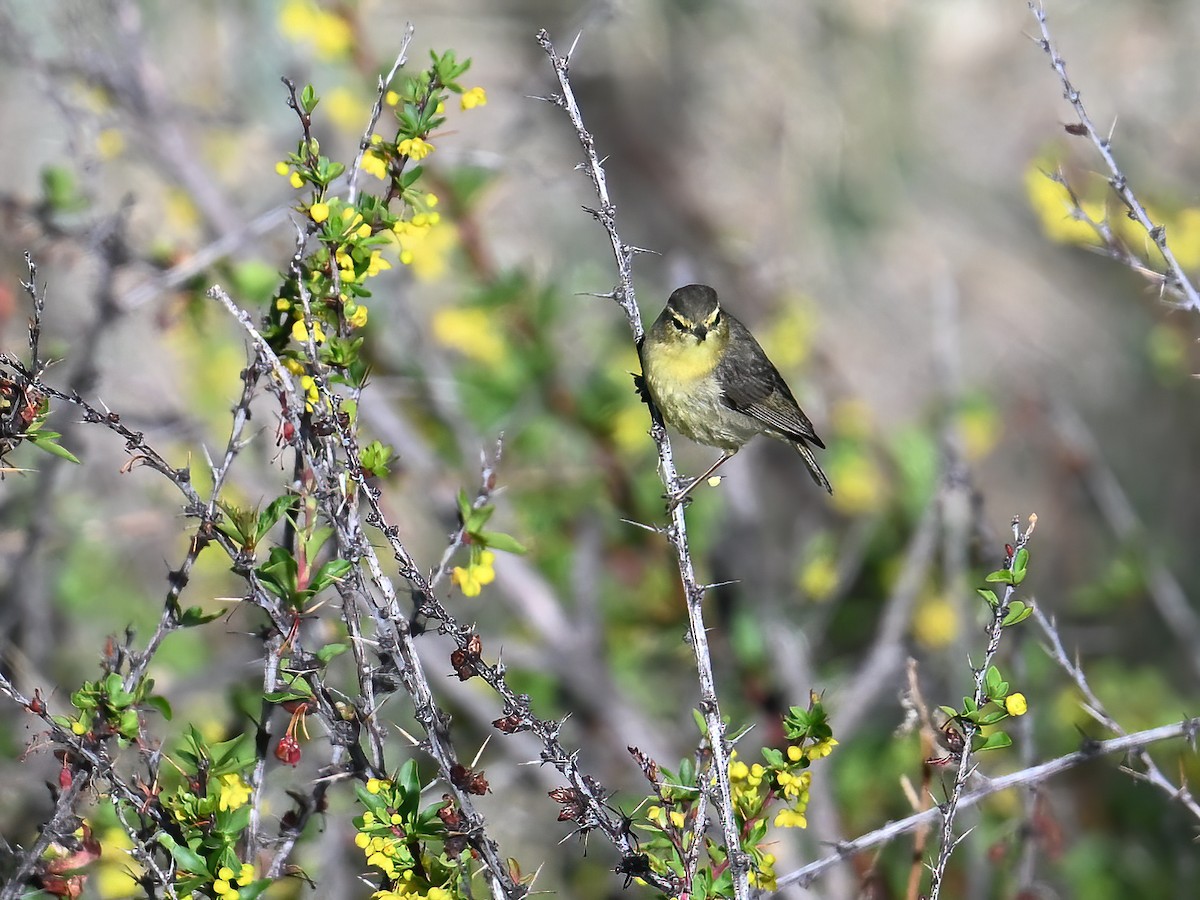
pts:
[752, 385]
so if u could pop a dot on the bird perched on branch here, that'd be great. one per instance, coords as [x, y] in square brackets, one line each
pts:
[712, 382]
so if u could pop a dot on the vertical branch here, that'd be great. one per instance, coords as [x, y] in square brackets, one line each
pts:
[969, 729]
[676, 532]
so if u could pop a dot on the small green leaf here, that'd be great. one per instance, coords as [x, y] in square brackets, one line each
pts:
[329, 651]
[701, 724]
[950, 711]
[1017, 612]
[989, 596]
[187, 859]
[991, 718]
[969, 704]
[45, 441]
[991, 679]
[194, 615]
[333, 571]
[1019, 564]
[162, 705]
[1003, 576]
[996, 741]
[497, 540]
[309, 99]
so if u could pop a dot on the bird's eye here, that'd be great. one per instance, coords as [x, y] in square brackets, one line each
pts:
[716, 319]
[678, 323]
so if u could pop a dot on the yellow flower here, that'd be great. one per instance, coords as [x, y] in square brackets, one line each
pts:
[363, 231]
[296, 181]
[431, 200]
[935, 622]
[110, 143]
[790, 818]
[794, 753]
[861, 485]
[415, 148]
[319, 212]
[476, 96]
[1015, 704]
[234, 792]
[677, 819]
[282, 168]
[361, 840]
[821, 749]
[819, 578]
[344, 108]
[377, 263]
[391, 98]
[358, 318]
[471, 332]
[311, 393]
[300, 333]
[374, 164]
[294, 366]
[330, 35]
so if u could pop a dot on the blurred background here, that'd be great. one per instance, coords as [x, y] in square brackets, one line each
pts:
[861, 180]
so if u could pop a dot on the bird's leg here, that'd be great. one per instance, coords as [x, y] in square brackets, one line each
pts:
[675, 499]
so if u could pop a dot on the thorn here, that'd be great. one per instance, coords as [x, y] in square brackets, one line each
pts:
[653, 529]
[574, 44]
[611, 295]
[629, 248]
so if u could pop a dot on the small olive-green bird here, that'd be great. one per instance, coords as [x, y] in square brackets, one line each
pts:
[712, 382]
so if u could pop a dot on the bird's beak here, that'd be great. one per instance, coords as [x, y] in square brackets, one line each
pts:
[700, 332]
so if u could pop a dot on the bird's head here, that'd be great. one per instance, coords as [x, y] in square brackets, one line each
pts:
[694, 315]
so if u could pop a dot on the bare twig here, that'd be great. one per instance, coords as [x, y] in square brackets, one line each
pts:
[1187, 728]
[1094, 708]
[1179, 281]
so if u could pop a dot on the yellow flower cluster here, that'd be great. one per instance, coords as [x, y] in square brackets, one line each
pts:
[472, 332]
[415, 148]
[410, 892]
[226, 884]
[234, 793]
[424, 241]
[747, 785]
[304, 21]
[477, 573]
[661, 817]
[476, 96]
[381, 852]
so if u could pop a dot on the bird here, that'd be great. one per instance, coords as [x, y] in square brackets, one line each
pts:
[712, 382]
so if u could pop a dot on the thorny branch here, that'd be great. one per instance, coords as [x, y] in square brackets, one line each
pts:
[605, 214]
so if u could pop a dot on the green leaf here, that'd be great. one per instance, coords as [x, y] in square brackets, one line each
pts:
[194, 615]
[309, 99]
[950, 711]
[996, 741]
[45, 441]
[333, 571]
[272, 514]
[497, 540]
[1019, 564]
[162, 705]
[991, 679]
[969, 704]
[187, 859]
[989, 596]
[329, 651]
[991, 718]
[1017, 612]
[1003, 576]
[701, 724]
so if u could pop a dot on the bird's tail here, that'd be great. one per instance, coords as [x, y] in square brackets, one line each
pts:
[814, 469]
